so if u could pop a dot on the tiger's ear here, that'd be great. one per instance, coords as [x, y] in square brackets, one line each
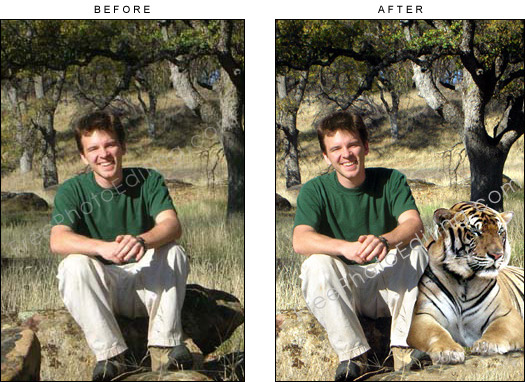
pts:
[442, 215]
[507, 216]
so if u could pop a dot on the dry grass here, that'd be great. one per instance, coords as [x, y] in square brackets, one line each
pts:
[419, 155]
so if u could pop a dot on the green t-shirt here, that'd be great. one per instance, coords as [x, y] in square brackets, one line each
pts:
[104, 213]
[347, 213]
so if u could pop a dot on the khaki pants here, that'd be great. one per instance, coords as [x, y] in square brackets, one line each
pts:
[155, 286]
[336, 293]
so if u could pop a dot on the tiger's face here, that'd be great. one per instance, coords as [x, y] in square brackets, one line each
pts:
[474, 239]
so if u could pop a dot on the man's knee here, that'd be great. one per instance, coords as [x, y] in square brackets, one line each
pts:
[175, 253]
[319, 268]
[75, 264]
[176, 257]
[419, 259]
[75, 270]
[319, 262]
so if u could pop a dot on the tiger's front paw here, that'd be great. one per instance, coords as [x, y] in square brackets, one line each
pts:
[483, 347]
[448, 357]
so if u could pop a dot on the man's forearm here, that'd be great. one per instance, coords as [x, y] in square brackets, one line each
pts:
[67, 242]
[310, 242]
[402, 235]
[163, 233]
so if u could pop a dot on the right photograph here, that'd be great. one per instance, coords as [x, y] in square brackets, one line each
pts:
[399, 199]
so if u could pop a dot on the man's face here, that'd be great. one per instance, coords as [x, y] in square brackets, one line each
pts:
[346, 153]
[103, 153]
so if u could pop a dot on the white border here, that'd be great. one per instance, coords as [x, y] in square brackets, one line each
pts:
[260, 95]
[445, 9]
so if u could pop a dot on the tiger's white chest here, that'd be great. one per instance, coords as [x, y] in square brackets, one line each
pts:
[465, 310]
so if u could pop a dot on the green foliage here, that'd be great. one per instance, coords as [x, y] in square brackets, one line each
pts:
[304, 41]
[499, 38]
[57, 44]
[10, 150]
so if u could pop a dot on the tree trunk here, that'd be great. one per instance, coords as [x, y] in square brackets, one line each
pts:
[26, 159]
[228, 117]
[49, 168]
[289, 107]
[151, 114]
[185, 90]
[486, 172]
[486, 157]
[24, 133]
[393, 111]
[45, 123]
[232, 137]
[149, 111]
[434, 98]
[394, 127]
[291, 161]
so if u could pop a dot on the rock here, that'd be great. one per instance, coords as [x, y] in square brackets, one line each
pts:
[286, 264]
[225, 367]
[419, 184]
[229, 367]
[26, 263]
[176, 183]
[281, 204]
[510, 184]
[504, 367]
[22, 201]
[186, 375]
[209, 317]
[296, 188]
[304, 353]
[302, 345]
[63, 345]
[20, 355]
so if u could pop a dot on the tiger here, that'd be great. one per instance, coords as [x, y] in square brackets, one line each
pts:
[468, 296]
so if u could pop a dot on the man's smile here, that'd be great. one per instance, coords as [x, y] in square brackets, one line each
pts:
[349, 164]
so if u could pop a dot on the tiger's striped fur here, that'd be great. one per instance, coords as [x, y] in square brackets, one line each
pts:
[468, 296]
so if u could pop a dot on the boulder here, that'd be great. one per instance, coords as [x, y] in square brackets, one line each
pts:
[295, 188]
[229, 367]
[281, 204]
[20, 355]
[501, 367]
[302, 345]
[303, 352]
[209, 317]
[186, 375]
[420, 184]
[176, 183]
[22, 201]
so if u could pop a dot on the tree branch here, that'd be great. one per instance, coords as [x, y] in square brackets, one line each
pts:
[514, 124]
[225, 57]
[507, 80]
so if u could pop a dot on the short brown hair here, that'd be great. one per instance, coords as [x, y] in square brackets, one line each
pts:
[341, 120]
[98, 120]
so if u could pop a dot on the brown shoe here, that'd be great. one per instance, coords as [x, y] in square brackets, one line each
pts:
[170, 358]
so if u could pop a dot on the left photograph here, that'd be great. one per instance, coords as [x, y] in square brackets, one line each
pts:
[122, 178]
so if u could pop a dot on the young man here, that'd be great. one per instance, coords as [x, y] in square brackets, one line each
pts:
[356, 224]
[116, 228]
